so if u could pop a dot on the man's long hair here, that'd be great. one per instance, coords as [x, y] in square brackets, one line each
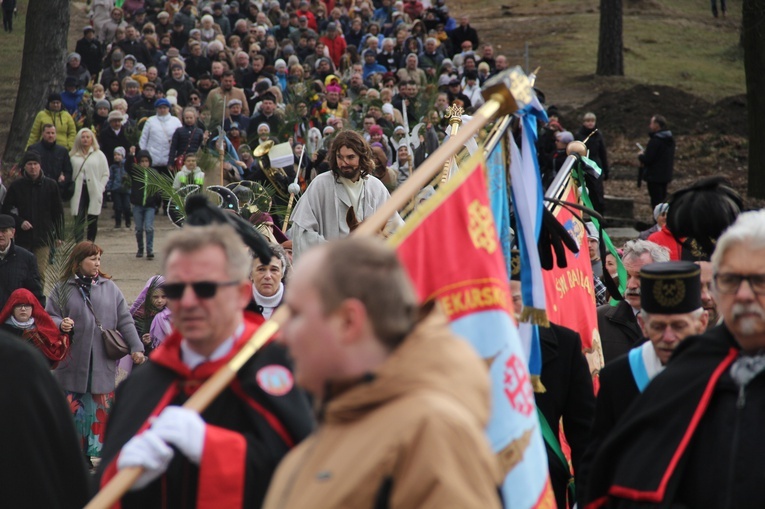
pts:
[355, 142]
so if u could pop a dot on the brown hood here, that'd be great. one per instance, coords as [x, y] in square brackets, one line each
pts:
[431, 358]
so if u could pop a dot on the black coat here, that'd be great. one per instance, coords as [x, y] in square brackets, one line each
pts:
[38, 419]
[270, 423]
[659, 157]
[617, 392]
[569, 395]
[138, 194]
[19, 270]
[460, 35]
[39, 202]
[142, 108]
[691, 439]
[619, 330]
[108, 140]
[92, 55]
[186, 139]
[184, 89]
[54, 160]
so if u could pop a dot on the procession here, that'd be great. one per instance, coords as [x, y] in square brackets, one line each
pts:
[319, 254]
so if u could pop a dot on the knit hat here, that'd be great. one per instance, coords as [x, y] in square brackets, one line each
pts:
[660, 209]
[29, 156]
[120, 151]
[73, 56]
[103, 103]
[115, 115]
[55, 96]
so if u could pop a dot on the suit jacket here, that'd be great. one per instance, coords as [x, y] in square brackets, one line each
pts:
[569, 395]
[619, 330]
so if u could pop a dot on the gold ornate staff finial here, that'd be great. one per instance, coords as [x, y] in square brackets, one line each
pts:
[454, 115]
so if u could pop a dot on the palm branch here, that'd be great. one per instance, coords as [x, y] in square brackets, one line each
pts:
[61, 240]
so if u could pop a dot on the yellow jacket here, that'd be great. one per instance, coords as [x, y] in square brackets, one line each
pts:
[66, 129]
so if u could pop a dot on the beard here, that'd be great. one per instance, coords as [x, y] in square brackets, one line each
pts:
[349, 172]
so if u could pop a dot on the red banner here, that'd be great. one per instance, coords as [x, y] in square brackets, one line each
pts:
[570, 292]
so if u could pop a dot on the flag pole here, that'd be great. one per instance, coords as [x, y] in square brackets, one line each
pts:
[500, 100]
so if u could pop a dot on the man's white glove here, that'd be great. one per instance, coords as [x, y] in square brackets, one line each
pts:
[148, 451]
[182, 428]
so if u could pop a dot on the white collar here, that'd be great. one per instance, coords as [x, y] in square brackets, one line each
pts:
[653, 365]
[192, 359]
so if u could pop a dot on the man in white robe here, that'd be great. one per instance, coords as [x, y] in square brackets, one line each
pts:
[337, 201]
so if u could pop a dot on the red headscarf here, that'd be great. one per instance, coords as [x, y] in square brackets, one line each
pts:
[44, 336]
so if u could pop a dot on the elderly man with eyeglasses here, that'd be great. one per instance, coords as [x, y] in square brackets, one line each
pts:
[694, 437]
[226, 456]
[337, 201]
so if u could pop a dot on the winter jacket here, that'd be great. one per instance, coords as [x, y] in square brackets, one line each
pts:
[117, 176]
[108, 140]
[37, 201]
[93, 172]
[156, 137]
[142, 108]
[66, 129]
[184, 177]
[336, 48]
[66, 300]
[659, 157]
[92, 54]
[666, 239]
[54, 160]
[139, 195]
[183, 87]
[19, 270]
[410, 435]
[81, 74]
[619, 330]
[186, 139]
[71, 101]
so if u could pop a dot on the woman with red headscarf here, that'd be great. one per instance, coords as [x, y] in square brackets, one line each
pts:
[23, 316]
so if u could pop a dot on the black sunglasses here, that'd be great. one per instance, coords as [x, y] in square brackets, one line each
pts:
[202, 289]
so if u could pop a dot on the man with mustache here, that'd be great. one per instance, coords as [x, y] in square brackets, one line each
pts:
[693, 438]
[618, 325]
[670, 311]
[337, 201]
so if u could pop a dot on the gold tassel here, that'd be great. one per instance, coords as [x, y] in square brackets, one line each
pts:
[535, 316]
[536, 384]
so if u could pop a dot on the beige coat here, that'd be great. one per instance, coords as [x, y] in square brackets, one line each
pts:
[95, 174]
[414, 428]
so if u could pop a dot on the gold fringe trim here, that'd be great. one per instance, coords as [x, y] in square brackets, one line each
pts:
[535, 316]
[536, 384]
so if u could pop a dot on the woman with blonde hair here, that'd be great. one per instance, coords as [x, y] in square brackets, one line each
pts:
[90, 175]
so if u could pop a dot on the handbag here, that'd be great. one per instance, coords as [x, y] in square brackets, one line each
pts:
[115, 345]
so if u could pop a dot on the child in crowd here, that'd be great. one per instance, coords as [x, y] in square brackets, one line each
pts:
[147, 305]
[144, 204]
[189, 174]
[119, 186]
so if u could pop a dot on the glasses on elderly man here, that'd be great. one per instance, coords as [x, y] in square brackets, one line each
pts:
[730, 283]
[202, 289]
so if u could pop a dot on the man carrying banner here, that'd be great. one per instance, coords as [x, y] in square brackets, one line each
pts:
[226, 456]
[336, 202]
[670, 311]
[693, 438]
[403, 401]
[618, 325]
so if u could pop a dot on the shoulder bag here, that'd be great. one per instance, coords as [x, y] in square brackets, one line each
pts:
[115, 345]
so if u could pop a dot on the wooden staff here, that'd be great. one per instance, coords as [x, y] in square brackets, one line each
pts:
[499, 100]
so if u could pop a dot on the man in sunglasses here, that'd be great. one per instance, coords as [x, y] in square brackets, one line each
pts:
[337, 201]
[694, 437]
[226, 456]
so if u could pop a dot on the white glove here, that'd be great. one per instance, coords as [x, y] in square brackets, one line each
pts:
[146, 450]
[182, 428]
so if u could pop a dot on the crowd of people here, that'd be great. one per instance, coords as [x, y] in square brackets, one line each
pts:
[367, 399]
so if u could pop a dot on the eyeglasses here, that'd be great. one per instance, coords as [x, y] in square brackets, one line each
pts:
[202, 289]
[730, 283]
[23, 306]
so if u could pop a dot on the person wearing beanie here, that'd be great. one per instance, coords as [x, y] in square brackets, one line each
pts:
[35, 204]
[75, 69]
[91, 51]
[119, 185]
[53, 114]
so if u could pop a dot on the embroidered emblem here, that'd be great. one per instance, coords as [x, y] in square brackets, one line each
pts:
[481, 225]
[517, 386]
[275, 380]
[669, 293]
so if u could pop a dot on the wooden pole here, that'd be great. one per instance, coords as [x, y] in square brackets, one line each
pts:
[496, 103]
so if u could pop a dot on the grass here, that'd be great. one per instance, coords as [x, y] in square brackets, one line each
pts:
[10, 70]
[675, 43]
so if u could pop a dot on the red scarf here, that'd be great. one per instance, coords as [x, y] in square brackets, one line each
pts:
[44, 335]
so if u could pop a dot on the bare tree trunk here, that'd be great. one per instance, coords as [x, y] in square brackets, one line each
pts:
[753, 15]
[42, 68]
[610, 45]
